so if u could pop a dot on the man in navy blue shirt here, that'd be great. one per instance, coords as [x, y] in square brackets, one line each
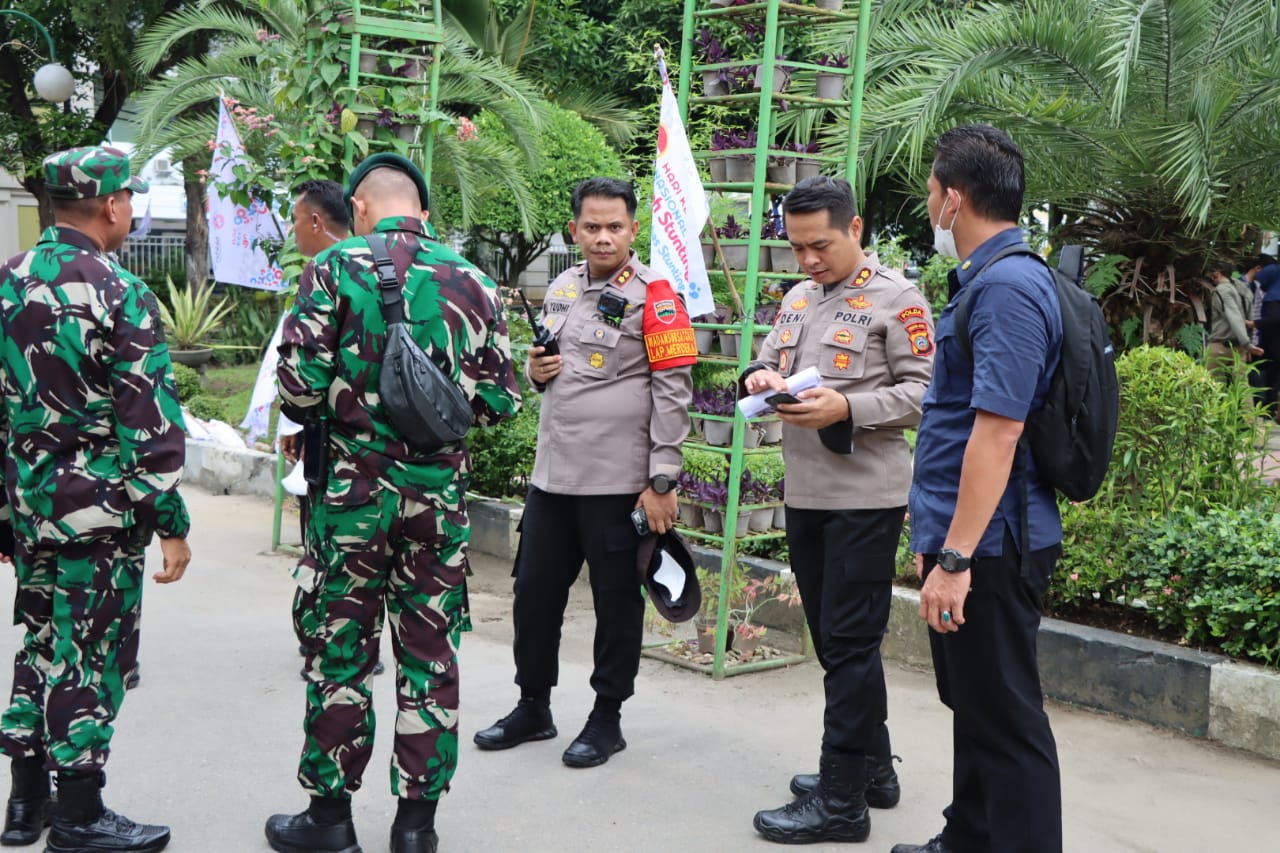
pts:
[985, 529]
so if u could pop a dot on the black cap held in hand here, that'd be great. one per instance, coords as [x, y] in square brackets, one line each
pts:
[649, 558]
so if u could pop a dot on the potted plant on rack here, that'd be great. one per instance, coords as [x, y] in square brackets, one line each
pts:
[705, 622]
[830, 84]
[718, 401]
[781, 169]
[715, 81]
[191, 319]
[740, 166]
[734, 256]
[755, 493]
[780, 511]
[718, 165]
[781, 258]
[702, 470]
[829, 5]
[806, 167]
[690, 511]
[781, 75]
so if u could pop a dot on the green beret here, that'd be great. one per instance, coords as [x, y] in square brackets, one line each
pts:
[89, 173]
[389, 160]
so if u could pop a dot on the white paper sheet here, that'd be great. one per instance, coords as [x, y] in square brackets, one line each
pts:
[755, 405]
[671, 576]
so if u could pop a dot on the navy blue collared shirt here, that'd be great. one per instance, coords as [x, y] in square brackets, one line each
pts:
[1015, 327]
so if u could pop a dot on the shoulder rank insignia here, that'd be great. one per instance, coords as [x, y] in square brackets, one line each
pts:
[863, 276]
[800, 304]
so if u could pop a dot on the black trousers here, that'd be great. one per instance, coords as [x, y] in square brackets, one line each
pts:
[557, 533]
[844, 564]
[1269, 338]
[1006, 790]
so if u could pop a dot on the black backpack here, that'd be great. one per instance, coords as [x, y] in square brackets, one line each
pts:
[1072, 434]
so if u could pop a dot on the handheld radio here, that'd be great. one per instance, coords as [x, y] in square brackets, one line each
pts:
[542, 336]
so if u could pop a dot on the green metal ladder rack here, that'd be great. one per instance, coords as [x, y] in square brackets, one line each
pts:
[775, 16]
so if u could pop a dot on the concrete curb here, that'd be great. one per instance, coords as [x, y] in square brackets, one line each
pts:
[1204, 695]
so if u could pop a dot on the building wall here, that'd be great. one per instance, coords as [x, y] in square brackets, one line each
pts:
[19, 217]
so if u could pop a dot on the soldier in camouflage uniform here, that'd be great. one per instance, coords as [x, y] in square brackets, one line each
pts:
[93, 450]
[389, 528]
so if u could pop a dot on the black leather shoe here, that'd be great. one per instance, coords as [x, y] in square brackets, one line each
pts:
[298, 833]
[883, 789]
[933, 845]
[109, 832]
[24, 819]
[594, 745]
[527, 722]
[404, 840]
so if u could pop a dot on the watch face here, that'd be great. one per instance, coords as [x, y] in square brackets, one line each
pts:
[662, 484]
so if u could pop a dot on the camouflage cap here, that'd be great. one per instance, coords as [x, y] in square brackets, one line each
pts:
[89, 173]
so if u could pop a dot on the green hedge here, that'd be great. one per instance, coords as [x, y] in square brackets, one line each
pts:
[1184, 529]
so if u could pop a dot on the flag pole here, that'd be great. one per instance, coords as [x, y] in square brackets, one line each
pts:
[660, 56]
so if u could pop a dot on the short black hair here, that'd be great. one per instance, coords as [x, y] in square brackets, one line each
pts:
[80, 209]
[604, 188]
[1224, 267]
[834, 195]
[985, 164]
[326, 197]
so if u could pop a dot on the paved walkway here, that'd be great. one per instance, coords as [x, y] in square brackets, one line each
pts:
[209, 742]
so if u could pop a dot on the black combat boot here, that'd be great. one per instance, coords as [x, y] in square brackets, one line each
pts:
[883, 790]
[325, 827]
[30, 805]
[82, 824]
[834, 811]
[413, 830]
[531, 720]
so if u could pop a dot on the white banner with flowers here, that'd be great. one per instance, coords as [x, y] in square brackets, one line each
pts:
[236, 232]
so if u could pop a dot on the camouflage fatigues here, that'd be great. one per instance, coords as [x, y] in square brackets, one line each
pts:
[92, 433]
[390, 524]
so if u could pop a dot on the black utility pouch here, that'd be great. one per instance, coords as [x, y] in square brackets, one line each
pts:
[315, 449]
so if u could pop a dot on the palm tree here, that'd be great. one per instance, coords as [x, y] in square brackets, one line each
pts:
[1148, 128]
[518, 44]
[259, 58]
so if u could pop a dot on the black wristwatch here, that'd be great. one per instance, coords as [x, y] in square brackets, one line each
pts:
[951, 561]
[661, 483]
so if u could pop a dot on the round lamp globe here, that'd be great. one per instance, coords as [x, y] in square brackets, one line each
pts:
[54, 83]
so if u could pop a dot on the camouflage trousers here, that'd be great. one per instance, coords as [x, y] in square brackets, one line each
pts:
[405, 559]
[80, 604]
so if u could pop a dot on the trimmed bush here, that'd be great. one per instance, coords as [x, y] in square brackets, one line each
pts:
[188, 381]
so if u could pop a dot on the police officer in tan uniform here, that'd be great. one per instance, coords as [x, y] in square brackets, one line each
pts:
[614, 414]
[869, 333]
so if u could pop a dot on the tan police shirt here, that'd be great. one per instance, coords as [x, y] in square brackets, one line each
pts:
[871, 339]
[616, 414]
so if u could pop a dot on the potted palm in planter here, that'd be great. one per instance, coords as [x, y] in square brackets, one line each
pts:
[830, 84]
[190, 321]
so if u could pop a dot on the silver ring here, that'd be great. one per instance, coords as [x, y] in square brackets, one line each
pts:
[946, 616]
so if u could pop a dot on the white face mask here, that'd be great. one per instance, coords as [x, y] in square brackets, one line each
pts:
[944, 239]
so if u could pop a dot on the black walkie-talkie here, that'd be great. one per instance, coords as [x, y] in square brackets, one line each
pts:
[542, 336]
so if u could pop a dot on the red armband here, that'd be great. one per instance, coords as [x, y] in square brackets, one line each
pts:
[668, 337]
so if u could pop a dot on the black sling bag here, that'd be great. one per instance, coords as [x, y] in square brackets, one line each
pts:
[425, 406]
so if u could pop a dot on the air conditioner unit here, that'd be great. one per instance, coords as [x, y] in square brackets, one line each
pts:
[162, 167]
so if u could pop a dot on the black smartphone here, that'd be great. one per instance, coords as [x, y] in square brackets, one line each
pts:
[640, 521]
[782, 397]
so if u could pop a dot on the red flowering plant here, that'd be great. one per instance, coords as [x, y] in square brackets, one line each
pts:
[758, 593]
